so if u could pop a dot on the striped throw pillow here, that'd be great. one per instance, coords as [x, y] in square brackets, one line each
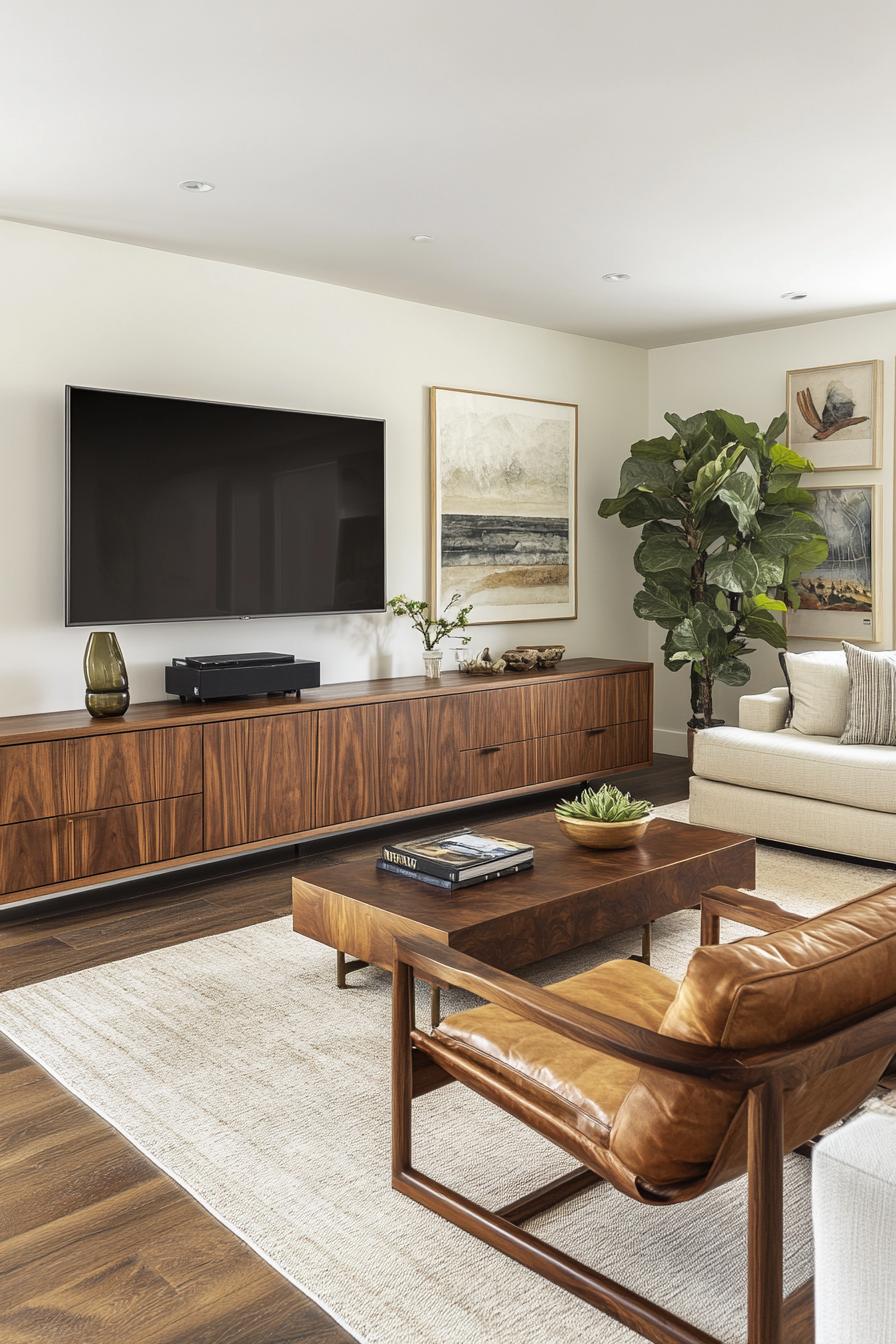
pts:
[872, 698]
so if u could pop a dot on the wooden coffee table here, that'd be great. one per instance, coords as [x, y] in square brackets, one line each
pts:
[571, 897]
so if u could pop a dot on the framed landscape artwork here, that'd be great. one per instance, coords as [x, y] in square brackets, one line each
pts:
[503, 505]
[835, 414]
[840, 598]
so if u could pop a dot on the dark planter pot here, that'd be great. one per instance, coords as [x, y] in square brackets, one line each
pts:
[693, 730]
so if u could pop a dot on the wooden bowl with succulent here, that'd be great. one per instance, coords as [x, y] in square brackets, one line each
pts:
[604, 818]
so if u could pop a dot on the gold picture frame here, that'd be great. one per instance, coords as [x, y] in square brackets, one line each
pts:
[505, 473]
[835, 415]
[841, 598]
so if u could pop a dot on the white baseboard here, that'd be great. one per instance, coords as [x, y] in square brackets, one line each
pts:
[670, 741]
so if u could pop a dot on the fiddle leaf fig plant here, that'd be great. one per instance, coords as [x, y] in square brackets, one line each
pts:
[726, 531]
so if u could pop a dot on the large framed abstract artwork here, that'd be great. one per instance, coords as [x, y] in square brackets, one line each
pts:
[504, 505]
[840, 598]
[835, 414]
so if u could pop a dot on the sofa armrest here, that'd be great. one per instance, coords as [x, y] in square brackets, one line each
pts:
[766, 713]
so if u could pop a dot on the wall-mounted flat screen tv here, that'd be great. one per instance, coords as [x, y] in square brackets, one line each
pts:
[196, 510]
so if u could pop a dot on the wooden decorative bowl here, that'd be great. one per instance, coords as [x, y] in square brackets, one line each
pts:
[604, 834]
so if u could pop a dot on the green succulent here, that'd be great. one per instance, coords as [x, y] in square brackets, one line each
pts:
[726, 531]
[604, 804]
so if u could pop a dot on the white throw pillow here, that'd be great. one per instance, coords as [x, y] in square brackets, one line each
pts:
[819, 692]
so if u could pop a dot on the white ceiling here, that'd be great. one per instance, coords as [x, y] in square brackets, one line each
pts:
[720, 153]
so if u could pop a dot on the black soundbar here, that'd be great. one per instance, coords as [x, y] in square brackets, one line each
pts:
[228, 676]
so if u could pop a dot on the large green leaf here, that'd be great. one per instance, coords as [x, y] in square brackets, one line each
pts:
[694, 431]
[805, 556]
[658, 554]
[710, 477]
[786, 459]
[707, 453]
[647, 473]
[762, 602]
[656, 603]
[790, 495]
[741, 493]
[664, 449]
[733, 671]
[762, 625]
[771, 571]
[745, 431]
[608, 507]
[646, 508]
[736, 571]
[779, 536]
[775, 429]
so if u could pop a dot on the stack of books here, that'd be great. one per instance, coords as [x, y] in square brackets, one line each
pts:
[456, 860]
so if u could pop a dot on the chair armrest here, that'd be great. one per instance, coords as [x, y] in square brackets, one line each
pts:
[766, 713]
[789, 1065]
[598, 1031]
[742, 908]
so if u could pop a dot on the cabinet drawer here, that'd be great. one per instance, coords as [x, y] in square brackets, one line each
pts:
[590, 702]
[127, 837]
[491, 769]
[31, 781]
[114, 769]
[32, 854]
[590, 752]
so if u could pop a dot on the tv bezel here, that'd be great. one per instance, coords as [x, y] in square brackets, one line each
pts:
[242, 616]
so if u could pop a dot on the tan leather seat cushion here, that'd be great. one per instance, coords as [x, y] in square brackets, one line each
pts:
[535, 1057]
[763, 991]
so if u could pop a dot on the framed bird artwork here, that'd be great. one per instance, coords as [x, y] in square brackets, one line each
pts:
[835, 414]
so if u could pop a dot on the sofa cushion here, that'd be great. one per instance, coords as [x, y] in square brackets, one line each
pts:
[790, 762]
[872, 697]
[819, 691]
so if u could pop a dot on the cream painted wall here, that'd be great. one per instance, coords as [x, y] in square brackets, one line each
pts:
[747, 374]
[82, 310]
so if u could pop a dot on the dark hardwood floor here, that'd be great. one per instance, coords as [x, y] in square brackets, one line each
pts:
[96, 1245]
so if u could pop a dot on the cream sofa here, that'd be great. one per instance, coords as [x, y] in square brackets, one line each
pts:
[765, 779]
[854, 1219]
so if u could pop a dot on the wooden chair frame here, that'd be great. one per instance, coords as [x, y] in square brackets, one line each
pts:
[764, 1075]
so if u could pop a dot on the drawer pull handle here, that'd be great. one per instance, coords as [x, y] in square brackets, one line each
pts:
[487, 751]
[593, 732]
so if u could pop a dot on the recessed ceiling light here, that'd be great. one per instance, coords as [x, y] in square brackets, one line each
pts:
[616, 275]
[794, 294]
[194, 184]
[421, 238]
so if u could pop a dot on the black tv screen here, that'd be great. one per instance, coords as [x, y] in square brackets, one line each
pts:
[195, 510]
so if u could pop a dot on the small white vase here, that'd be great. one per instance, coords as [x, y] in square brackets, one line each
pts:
[432, 664]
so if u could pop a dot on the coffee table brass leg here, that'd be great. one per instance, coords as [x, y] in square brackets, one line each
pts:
[340, 970]
[435, 1006]
[645, 944]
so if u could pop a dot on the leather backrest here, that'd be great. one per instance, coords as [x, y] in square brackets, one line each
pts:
[763, 991]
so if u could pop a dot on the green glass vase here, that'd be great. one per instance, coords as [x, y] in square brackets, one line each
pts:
[107, 695]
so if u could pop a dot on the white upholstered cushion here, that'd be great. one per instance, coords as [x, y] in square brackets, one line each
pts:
[819, 687]
[794, 821]
[808, 767]
[854, 1222]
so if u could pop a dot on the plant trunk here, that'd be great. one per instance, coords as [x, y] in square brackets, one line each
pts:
[706, 699]
[701, 699]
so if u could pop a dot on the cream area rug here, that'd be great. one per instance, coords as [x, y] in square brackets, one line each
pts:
[237, 1066]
